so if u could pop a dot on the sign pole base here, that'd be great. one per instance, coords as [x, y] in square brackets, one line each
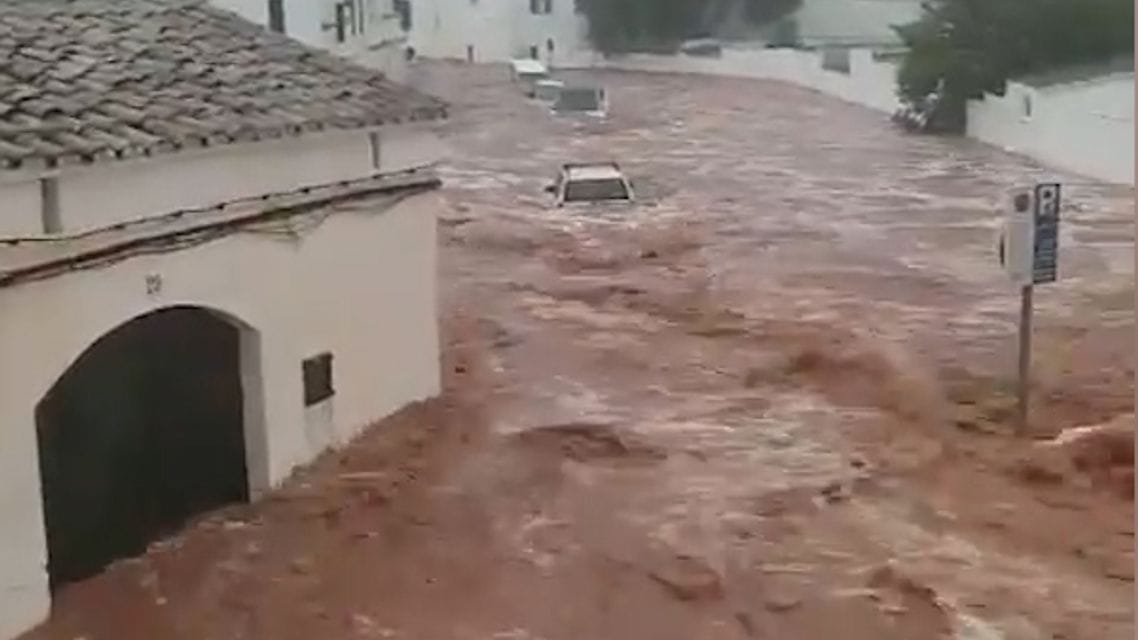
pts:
[1025, 316]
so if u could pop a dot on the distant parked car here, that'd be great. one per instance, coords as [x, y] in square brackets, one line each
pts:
[704, 47]
[591, 182]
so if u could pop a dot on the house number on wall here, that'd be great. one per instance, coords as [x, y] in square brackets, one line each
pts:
[153, 284]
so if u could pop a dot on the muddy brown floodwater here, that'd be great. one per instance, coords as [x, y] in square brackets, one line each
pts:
[771, 401]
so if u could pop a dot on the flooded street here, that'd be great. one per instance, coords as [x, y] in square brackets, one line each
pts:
[772, 400]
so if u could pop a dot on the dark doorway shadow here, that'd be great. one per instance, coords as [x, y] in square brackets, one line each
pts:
[141, 433]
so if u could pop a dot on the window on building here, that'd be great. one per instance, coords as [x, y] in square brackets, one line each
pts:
[470, 53]
[538, 7]
[533, 52]
[341, 22]
[403, 8]
[318, 379]
[547, 5]
[1027, 106]
[535, 6]
[276, 16]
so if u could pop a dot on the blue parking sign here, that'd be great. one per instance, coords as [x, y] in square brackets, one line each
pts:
[1045, 260]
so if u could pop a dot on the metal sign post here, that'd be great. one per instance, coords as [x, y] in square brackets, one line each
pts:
[1023, 386]
[1043, 235]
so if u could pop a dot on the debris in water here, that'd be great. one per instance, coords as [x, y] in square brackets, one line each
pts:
[690, 579]
[583, 441]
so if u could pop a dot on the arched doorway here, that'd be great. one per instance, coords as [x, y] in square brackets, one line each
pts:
[143, 431]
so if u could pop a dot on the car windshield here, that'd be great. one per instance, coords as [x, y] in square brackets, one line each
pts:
[592, 190]
[576, 99]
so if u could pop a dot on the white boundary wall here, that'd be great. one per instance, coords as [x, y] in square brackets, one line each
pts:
[1083, 127]
[870, 82]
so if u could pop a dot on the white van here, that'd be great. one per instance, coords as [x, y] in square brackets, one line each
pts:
[527, 72]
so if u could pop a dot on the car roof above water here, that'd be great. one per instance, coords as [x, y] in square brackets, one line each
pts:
[593, 171]
[528, 66]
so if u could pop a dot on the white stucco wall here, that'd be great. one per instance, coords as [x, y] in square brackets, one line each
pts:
[1086, 128]
[361, 285]
[20, 208]
[499, 30]
[379, 44]
[208, 177]
[870, 82]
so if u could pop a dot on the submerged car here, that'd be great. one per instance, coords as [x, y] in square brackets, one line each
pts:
[702, 47]
[591, 182]
[548, 91]
[587, 100]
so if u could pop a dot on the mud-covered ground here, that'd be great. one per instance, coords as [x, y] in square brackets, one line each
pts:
[770, 401]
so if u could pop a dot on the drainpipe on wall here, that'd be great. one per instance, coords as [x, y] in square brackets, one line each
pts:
[50, 219]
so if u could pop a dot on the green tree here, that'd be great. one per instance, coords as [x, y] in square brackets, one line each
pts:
[968, 47]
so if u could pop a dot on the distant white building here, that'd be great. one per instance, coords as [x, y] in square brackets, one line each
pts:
[498, 30]
[853, 23]
[217, 259]
[370, 32]
[1080, 119]
[827, 23]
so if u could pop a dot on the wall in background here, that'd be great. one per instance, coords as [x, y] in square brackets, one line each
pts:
[1084, 127]
[866, 80]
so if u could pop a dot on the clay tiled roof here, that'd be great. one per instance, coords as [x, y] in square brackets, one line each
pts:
[93, 80]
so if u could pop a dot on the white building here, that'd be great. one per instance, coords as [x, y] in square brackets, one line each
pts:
[854, 23]
[825, 23]
[217, 258]
[1079, 119]
[370, 32]
[499, 30]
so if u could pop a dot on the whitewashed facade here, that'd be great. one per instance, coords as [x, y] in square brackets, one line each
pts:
[280, 198]
[499, 30]
[369, 32]
[287, 297]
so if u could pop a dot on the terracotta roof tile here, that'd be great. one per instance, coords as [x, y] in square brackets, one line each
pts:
[99, 79]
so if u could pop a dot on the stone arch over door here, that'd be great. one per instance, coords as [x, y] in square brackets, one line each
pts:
[158, 420]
